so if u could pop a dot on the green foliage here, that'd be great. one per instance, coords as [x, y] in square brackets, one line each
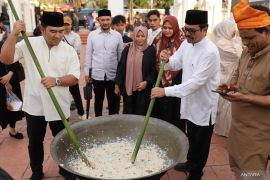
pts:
[156, 3]
[140, 3]
[163, 3]
[102, 3]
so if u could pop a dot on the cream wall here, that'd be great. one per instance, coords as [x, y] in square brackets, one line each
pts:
[25, 12]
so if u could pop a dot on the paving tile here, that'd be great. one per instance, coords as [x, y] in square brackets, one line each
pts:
[216, 139]
[176, 175]
[223, 172]
[165, 177]
[14, 156]
[218, 155]
[209, 174]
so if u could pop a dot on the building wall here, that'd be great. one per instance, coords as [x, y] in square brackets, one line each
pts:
[25, 12]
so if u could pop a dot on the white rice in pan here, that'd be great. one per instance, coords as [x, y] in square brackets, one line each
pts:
[112, 160]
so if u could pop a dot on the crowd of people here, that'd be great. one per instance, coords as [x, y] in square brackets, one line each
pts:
[127, 66]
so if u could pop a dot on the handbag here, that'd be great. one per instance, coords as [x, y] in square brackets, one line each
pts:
[21, 75]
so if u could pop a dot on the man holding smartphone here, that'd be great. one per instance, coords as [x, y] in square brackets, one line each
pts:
[249, 137]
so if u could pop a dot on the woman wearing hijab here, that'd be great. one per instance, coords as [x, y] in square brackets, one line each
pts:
[136, 74]
[168, 108]
[229, 46]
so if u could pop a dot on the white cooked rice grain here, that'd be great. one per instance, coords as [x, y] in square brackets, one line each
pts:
[112, 160]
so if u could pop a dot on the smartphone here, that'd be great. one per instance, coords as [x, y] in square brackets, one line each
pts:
[219, 92]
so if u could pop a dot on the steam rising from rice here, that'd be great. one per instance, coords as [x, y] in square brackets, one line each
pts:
[112, 160]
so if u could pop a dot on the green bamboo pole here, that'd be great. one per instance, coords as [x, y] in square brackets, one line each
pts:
[55, 102]
[148, 114]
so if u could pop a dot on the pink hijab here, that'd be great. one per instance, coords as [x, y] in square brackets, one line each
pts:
[134, 62]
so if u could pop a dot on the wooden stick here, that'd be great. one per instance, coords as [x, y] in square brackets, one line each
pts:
[148, 114]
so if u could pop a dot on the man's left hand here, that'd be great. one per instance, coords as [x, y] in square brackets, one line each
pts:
[236, 97]
[157, 92]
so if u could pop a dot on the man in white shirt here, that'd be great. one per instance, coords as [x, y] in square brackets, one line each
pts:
[103, 52]
[153, 19]
[74, 40]
[70, 36]
[199, 58]
[61, 67]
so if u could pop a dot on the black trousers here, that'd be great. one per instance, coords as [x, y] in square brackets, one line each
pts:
[36, 129]
[99, 89]
[168, 109]
[199, 138]
[137, 103]
[75, 92]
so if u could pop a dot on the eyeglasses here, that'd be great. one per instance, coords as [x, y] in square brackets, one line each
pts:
[190, 30]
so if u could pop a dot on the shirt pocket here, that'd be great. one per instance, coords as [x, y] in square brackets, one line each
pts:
[258, 83]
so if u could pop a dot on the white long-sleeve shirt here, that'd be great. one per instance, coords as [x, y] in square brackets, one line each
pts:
[152, 35]
[58, 61]
[74, 40]
[201, 74]
[103, 52]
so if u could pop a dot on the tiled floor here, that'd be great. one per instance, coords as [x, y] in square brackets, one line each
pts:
[14, 154]
[14, 158]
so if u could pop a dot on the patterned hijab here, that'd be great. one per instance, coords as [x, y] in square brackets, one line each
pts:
[134, 61]
[173, 43]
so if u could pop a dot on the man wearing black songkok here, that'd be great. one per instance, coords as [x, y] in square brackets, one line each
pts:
[60, 64]
[103, 52]
[199, 59]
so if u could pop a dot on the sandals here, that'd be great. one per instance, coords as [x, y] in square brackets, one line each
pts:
[18, 135]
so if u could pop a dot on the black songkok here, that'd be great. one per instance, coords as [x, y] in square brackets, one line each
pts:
[55, 19]
[104, 12]
[196, 17]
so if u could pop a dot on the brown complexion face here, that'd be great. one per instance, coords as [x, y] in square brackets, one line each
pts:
[105, 22]
[167, 29]
[194, 33]
[68, 28]
[154, 22]
[140, 38]
[52, 35]
[254, 40]
[120, 27]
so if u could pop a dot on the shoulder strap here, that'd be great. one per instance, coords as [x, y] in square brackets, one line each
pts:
[65, 39]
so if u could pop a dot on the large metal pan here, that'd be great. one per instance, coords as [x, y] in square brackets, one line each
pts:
[104, 128]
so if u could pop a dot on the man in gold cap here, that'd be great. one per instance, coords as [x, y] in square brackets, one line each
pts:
[249, 92]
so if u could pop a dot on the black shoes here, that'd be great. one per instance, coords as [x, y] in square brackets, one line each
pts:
[67, 175]
[37, 176]
[183, 167]
[18, 135]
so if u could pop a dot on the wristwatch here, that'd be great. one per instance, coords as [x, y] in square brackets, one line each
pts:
[57, 82]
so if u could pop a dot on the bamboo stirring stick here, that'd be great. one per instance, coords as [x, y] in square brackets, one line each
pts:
[50, 91]
[149, 111]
